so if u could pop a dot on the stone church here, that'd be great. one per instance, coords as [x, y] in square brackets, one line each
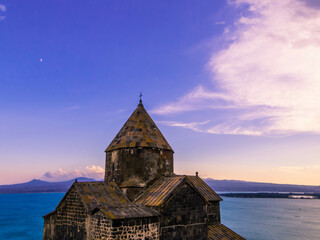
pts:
[141, 197]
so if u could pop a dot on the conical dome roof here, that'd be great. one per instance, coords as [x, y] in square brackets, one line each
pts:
[139, 131]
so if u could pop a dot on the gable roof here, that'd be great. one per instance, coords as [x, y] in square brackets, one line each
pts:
[158, 193]
[100, 194]
[129, 211]
[109, 199]
[220, 231]
[205, 191]
[139, 131]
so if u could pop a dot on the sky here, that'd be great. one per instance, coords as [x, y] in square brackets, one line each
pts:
[233, 85]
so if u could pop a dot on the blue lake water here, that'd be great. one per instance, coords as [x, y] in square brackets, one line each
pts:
[254, 219]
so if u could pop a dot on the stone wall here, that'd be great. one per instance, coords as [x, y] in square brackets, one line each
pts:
[136, 229]
[183, 215]
[69, 221]
[49, 224]
[213, 213]
[136, 167]
[99, 227]
[184, 232]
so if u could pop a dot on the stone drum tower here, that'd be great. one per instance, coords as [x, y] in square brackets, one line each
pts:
[138, 154]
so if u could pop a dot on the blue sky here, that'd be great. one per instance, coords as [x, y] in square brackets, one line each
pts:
[233, 85]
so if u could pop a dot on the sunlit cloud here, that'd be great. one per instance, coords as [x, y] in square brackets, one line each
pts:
[269, 73]
[95, 172]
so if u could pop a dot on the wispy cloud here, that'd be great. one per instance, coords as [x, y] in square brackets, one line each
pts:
[3, 8]
[197, 100]
[269, 73]
[294, 169]
[193, 125]
[60, 174]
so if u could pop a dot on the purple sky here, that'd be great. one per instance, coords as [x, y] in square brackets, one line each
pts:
[233, 85]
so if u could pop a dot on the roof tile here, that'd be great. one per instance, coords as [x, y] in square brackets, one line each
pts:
[158, 192]
[221, 232]
[139, 130]
[204, 189]
[109, 199]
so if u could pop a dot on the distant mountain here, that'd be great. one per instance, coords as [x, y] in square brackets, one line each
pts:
[38, 186]
[244, 186]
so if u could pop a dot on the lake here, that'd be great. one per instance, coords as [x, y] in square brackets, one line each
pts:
[253, 218]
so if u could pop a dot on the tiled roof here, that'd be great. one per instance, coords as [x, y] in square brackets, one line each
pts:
[206, 192]
[160, 191]
[109, 199]
[130, 211]
[100, 194]
[139, 131]
[221, 232]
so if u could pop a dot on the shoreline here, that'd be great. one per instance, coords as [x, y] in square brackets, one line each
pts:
[293, 195]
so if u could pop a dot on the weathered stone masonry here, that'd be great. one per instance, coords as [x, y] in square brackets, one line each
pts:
[183, 215]
[68, 221]
[140, 229]
[133, 168]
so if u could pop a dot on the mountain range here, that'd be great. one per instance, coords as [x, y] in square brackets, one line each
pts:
[39, 186]
[244, 186]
